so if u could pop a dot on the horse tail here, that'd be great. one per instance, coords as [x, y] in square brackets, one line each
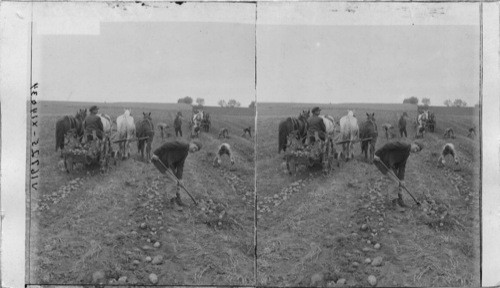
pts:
[60, 134]
[282, 136]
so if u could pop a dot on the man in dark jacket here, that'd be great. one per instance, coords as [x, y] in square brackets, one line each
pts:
[316, 124]
[402, 125]
[93, 123]
[394, 156]
[178, 124]
[172, 155]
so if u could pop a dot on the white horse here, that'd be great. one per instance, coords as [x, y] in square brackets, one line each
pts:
[106, 123]
[349, 130]
[126, 131]
[329, 123]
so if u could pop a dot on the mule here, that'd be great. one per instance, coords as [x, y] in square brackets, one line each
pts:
[368, 130]
[67, 123]
[298, 124]
[145, 129]
[126, 132]
[349, 131]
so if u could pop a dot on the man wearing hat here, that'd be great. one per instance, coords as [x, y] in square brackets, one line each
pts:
[93, 123]
[316, 124]
[394, 156]
[172, 155]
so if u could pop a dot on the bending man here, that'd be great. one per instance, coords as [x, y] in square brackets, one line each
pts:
[172, 155]
[394, 156]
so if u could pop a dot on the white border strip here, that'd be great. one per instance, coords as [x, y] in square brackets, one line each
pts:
[14, 79]
[491, 145]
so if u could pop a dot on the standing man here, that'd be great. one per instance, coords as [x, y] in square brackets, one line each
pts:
[402, 125]
[178, 124]
[172, 155]
[394, 156]
[93, 123]
[316, 125]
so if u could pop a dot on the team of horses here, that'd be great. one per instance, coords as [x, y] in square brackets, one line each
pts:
[347, 127]
[127, 131]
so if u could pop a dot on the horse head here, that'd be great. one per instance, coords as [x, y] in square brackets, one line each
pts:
[370, 117]
[305, 114]
[147, 116]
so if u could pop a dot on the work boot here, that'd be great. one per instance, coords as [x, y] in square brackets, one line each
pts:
[178, 200]
[400, 201]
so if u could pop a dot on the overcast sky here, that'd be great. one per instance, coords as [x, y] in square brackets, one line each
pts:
[149, 62]
[306, 52]
[338, 64]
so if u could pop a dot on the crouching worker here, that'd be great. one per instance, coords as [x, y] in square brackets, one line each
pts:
[394, 156]
[448, 149]
[224, 149]
[172, 155]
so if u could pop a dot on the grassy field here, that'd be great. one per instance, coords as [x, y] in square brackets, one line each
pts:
[89, 228]
[331, 231]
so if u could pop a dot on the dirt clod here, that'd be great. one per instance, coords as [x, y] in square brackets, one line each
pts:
[153, 278]
[157, 260]
[377, 261]
[317, 279]
[372, 280]
[98, 277]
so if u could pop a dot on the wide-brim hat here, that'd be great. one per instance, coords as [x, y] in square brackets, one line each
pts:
[94, 108]
[315, 109]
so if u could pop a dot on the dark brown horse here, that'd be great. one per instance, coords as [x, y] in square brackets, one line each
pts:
[298, 124]
[67, 123]
[368, 130]
[145, 129]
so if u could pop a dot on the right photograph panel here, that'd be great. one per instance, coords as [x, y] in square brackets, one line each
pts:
[368, 144]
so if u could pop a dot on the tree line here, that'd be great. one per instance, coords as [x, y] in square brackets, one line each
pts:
[200, 102]
[427, 102]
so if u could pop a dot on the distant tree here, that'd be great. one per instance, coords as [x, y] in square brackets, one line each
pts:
[426, 101]
[411, 100]
[252, 105]
[200, 102]
[448, 103]
[185, 100]
[222, 103]
[459, 103]
[233, 103]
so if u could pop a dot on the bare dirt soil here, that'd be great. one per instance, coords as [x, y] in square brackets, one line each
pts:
[120, 227]
[343, 229]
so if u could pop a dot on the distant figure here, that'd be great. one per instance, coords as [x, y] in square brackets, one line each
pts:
[449, 133]
[93, 123]
[163, 129]
[224, 133]
[247, 130]
[172, 155]
[224, 149]
[402, 125]
[472, 133]
[394, 156]
[388, 130]
[448, 149]
[178, 124]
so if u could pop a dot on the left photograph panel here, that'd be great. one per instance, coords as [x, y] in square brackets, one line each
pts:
[146, 144]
